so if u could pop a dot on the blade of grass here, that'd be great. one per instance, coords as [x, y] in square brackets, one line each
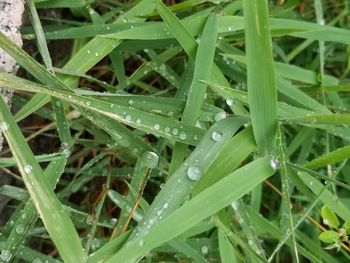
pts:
[262, 88]
[203, 205]
[57, 222]
[338, 155]
[179, 184]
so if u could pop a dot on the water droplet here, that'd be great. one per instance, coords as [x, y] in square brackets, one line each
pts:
[20, 229]
[325, 222]
[141, 243]
[194, 173]
[170, 113]
[229, 101]
[138, 121]
[128, 118]
[130, 102]
[88, 103]
[156, 126]
[166, 205]
[135, 150]
[159, 212]
[167, 129]
[216, 136]
[4, 126]
[37, 260]
[195, 137]
[230, 28]
[220, 115]
[24, 216]
[5, 255]
[274, 163]
[66, 153]
[234, 205]
[150, 159]
[28, 168]
[175, 131]
[183, 136]
[204, 250]
[90, 219]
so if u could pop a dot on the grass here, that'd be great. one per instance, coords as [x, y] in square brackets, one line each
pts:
[193, 131]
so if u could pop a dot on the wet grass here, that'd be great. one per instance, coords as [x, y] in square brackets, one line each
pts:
[198, 131]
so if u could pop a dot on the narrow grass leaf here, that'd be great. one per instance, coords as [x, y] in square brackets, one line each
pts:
[56, 221]
[261, 79]
[203, 205]
[335, 156]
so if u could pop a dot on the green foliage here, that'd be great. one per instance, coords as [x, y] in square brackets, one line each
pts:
[203, 131]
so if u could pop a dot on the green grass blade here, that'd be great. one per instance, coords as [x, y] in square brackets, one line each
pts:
[58, 224]
[29, 216]
[226, 250]
[179, 185]
[262, 88]
[203, 205]
[338, 155]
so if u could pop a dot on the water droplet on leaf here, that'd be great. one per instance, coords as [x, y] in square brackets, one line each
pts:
[216, 136]
[194, 173]
[150, 159]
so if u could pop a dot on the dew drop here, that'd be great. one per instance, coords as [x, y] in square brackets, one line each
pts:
[28, 168]
[4, 126]
[194, 173]
[90, 219]
[66, 153]
[150, 159]
[175, 131]
[20, 229]
[167, 129]
[128, 118]
[234, 205]
[130, 102]
[229, 101]
[166, 205]
[274, 163]
[216, 136]
[183, 136]
[156, 126]
[37, 260]
[141, 243]
[138, 121]
[5, 255]
[204, 250]
[88, 103]
[220, 115]
[135, 150]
